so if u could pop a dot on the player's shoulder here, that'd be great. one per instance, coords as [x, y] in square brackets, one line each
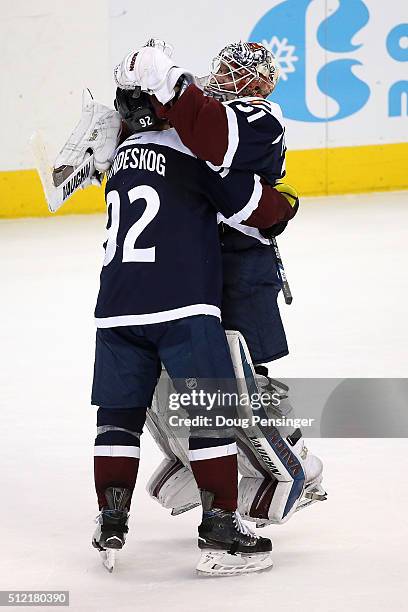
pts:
[257, 108]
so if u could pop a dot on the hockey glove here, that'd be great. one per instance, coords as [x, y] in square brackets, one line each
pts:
[154, 71]
[292, 197]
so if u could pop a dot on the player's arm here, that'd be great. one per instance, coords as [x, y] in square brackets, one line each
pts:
[202, 124]
[243, 197]
[291, 195]
[156, 73]
[242, 134]
[276, 207]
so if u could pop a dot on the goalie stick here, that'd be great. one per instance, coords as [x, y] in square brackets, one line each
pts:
[285, 285]
[56, 196]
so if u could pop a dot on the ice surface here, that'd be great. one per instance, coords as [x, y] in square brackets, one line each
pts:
[346, 260]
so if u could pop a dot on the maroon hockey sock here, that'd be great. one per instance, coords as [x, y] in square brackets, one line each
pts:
[117, 449]
[220, 476]
[114, 472]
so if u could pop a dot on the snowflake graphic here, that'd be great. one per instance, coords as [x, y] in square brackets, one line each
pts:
[284, 55]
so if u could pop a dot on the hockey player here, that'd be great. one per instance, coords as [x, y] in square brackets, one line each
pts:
[232, 125]
[159, 303]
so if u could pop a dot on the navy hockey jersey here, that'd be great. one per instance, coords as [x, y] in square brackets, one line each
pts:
[242, 134]
[162, 254]
[256, 138]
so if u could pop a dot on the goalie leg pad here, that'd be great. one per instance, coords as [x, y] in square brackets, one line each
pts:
[260, 492]
[256, 499]
[279, 476]
[280, 459]
[173, 486]
[174, 438]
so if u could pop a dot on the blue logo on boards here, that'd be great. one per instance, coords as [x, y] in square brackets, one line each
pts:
[285, 30]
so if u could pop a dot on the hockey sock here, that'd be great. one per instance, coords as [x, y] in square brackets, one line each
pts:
[215, 469]
[117, 449]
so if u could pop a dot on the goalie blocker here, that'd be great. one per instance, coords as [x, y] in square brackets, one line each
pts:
[279, 475]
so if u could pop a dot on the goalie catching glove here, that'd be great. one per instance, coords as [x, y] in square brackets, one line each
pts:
[97, 133]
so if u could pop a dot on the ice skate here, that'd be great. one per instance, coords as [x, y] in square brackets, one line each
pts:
[110, 535]
[228, 546]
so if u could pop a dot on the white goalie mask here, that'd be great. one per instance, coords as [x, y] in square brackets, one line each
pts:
[244, 69]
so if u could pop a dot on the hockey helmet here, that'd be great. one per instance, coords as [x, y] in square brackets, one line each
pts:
[137, 110]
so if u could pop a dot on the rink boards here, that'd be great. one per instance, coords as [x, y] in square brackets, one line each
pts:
[313, 171]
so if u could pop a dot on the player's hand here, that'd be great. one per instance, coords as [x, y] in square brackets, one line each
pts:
[98, 131]
[153, 70]
[292, 197]
[288, 192]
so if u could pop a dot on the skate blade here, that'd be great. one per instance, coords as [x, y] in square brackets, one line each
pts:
[222, 563]
[108, 557]
[181, 509]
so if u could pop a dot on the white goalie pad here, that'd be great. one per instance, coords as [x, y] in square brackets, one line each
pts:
[176, 438]
[172, 484]
[257, 493]
[281, 460]
[174, 487]
[279, 475]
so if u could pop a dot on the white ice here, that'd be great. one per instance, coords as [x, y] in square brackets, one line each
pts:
[346, 260]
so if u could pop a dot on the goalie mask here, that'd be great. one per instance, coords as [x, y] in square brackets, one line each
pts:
[137, 110]
[244, 69]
